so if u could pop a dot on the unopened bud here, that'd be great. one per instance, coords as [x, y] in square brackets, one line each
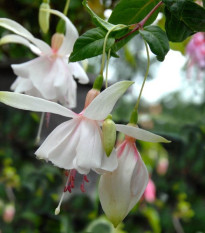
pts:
[108, 135]
[56, 41]
[91, 96]
[44, 17]
[98, 82]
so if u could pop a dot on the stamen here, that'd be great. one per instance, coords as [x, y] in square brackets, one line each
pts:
[38, 137]
[82, 187]
[57, 210]
[85, 178]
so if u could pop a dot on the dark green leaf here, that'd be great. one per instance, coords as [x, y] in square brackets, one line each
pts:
[188, 12]
[157, 40]
[90, 44]
[133, 11]
[203, 2]
[177, 31]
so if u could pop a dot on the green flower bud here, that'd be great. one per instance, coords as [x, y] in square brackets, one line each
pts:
[44, 17]
[98, 82]
[108, 135]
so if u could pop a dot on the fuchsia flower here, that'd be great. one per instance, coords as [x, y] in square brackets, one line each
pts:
[49, 76]
[120, 190]
[196, 52]
[150, 191]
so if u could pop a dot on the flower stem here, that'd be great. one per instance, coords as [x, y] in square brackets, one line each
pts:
[140, 25]
[65, 11]
[145, 77]
[106, 76]
[104, 46]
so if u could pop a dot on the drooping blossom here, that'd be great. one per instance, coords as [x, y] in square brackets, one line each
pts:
[150, 191]
[196, 52]
[76, 143]
[120, 190]
[48, 76]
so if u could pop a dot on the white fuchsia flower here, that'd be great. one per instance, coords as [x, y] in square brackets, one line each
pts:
[49, 76]
[75, 144]
[120, 190]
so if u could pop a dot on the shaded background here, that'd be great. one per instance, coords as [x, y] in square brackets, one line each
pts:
[30, 188]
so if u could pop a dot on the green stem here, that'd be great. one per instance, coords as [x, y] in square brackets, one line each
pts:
[104, 46]
[145, 77]
[65, 11]
[106, 76]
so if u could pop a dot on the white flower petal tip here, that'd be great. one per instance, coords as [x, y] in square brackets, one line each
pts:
[140, 134]
[103, 104]
[31, 103]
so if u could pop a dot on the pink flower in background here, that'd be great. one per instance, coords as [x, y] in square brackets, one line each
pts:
[150, 191]
[162, 166]
[9, 213]
[196, 53]
[196, 50]
[49, 76]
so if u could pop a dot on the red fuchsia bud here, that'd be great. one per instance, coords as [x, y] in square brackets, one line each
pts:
[9, 213]
[162, 166]
[91, 96]
[150, 192]
[56, 41]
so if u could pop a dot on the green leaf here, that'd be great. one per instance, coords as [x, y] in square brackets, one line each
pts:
[90, 44]
[96, 19]
[188, 12]
[157, 40]
[177, 31]
[133, 11]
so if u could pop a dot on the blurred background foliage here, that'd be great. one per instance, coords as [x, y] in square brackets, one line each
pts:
[30, 188]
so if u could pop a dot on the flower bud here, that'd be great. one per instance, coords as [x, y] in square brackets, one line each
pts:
[44, 17]
[56, 41]
[91, 96]
[9, 213]
[108, 135]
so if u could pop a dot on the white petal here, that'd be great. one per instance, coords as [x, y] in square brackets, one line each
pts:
[114, 188]
[139, 181]
[71, 34]
[60, 146]
[140, 134]
[18, 29]
[21, 85]
[103, 104]
[31, 103]
[89, 150]
[79, 73]
[19, 40]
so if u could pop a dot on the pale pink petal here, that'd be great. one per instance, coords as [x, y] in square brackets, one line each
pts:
[60, 146]
[19, 40]
[18, 29]
[78, 72]
[31, 103]
[140, 134]
[71, 34]
[103, 104]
